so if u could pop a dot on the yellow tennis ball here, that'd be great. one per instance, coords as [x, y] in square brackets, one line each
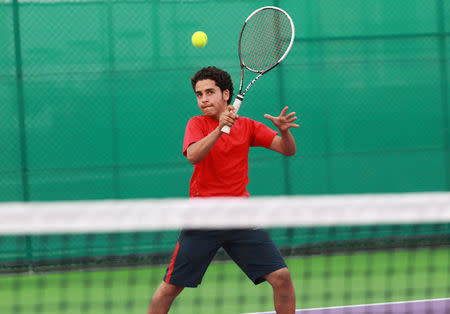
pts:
[199, 39]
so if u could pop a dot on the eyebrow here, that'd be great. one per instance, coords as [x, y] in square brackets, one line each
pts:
[206, 90]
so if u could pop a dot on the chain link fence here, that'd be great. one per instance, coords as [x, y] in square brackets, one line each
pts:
[95, 96]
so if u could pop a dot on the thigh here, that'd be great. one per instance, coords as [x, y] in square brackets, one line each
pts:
[255, 253]
[192, 255]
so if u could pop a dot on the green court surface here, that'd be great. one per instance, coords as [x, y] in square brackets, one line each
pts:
[319, 281]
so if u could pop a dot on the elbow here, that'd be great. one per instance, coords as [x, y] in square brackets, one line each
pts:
[190, 156]
[290, 152]
[192, 159]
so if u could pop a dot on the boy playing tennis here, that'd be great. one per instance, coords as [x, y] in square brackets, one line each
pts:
[221, 169]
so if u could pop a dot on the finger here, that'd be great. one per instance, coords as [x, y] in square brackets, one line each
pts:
[231, 108]
[230, 119]
[292, 125]
[228, 122]
[231, 115]
[283, 112]
[268, 116]
[291, 114]
[292, 119]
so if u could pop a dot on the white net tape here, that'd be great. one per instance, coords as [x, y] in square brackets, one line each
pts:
[159, 214]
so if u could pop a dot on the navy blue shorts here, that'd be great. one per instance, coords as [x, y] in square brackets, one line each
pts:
[251, 249]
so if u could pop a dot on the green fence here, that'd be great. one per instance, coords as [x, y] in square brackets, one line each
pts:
[95, 96]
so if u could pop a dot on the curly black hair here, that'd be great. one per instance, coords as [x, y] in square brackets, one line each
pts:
[221, 77]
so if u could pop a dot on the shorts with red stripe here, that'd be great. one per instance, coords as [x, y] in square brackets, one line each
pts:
[251, 249]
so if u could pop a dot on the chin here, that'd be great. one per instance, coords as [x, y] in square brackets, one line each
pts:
[212, 116]
[209, 113]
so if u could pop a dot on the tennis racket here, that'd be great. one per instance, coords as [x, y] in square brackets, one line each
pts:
[265, 40]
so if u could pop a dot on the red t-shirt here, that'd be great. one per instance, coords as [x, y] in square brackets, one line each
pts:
[224, 170]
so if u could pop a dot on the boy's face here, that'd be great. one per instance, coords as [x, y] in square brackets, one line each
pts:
[211, 100]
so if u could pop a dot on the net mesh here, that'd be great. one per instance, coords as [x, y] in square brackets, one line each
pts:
[346, 254]
[265, 39]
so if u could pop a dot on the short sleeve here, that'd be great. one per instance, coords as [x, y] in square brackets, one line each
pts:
[262, 135]
[192, 134]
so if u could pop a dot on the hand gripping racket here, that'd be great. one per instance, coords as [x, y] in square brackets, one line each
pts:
[265, 40]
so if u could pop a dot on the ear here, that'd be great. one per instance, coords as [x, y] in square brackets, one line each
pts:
[226, 95]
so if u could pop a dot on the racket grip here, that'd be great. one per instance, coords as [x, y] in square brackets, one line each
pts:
[236, 104]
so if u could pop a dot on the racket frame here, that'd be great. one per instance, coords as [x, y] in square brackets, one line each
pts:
[240, 96]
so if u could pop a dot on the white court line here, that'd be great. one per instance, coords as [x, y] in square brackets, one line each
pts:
[360, 305]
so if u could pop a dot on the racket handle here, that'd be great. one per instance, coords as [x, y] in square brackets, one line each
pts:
[236, 104]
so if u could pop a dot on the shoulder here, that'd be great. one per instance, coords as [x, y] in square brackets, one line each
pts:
[201, 124]
[197, 120]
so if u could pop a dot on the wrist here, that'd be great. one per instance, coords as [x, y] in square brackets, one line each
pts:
[218, 130]
[283, 131]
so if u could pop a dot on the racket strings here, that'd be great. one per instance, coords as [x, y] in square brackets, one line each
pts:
[265, 39]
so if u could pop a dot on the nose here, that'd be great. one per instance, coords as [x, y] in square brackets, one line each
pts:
[204, 98]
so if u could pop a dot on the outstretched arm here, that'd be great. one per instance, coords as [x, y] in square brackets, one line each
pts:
[285, 143]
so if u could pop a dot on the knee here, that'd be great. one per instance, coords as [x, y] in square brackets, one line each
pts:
[173, 292]
[163, 297]
[280, 278]
[168, 291]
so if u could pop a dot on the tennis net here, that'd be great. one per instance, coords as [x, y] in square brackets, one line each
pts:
[384, 253]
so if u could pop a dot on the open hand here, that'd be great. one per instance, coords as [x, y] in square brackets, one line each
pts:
[284, 121]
